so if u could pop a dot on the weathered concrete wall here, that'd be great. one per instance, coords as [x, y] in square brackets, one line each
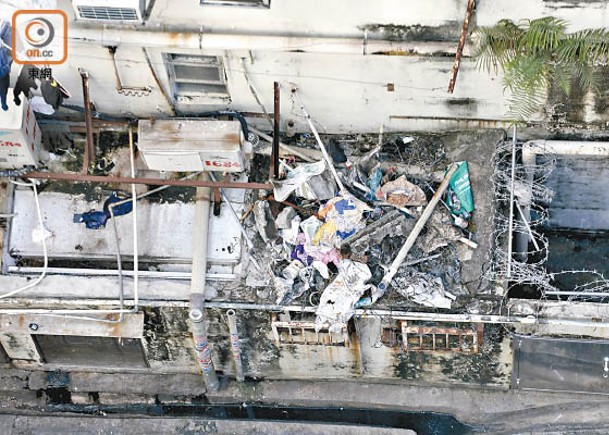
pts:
[348, 17]
[343, 92]
[581, 200]
[375, 351]
[370, 355]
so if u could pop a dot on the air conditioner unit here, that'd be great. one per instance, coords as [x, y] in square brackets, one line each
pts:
[110, 10]
[192, 145]
[19, 136]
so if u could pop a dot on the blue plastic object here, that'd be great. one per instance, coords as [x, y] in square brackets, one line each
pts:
[95, 219]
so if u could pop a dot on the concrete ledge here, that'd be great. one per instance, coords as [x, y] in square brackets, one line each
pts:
[147, 384]
[42, 425]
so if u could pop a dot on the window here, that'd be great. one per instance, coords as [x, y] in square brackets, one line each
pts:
[465, 338]
[302, 331]
[194, 76]
[91, 351]
[246, 3]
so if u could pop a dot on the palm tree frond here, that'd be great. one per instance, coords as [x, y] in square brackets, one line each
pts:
[538, 54]
[496, 45]
[542, 35]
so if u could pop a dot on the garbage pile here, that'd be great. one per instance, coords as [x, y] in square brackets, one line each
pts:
[338, 231]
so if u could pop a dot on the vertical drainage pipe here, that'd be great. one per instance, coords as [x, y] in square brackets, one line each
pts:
[511, 215]
[235, 345]
[196, 313]
[136, 266]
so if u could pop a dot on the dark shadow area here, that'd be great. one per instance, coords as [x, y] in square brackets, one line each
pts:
[423, 423]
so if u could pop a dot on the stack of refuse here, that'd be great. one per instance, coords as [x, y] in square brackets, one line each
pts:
[314, 243]
[326, 250]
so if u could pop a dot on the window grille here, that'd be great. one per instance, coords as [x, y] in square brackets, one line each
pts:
[194, 76]
[436, 338]
[302, 332]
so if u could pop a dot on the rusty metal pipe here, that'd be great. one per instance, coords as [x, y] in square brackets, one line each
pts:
[150, 181]
[89, 149]
[276, 121]
[471, 4]
[235, 345]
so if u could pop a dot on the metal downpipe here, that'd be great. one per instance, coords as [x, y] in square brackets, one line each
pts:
[235, 345]
[196, 313]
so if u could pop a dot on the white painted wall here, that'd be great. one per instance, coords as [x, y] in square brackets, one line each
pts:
[342, 92]
[580, 14]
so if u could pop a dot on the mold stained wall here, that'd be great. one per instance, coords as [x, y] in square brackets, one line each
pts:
[342, 92]
[169, 350]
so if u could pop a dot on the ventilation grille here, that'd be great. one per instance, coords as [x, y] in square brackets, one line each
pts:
[108, 14]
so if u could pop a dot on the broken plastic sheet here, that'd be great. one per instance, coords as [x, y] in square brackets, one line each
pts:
[297, 279]
[402, 193]
[310, 227]
[345, 212]
[460, 199]
[425, 290]
[337, 304]
[321, 187]
[288, 223]
[284, 284]
[283, 188]
[374, 182]
[264, 221]
[307, 253]
[439, 232]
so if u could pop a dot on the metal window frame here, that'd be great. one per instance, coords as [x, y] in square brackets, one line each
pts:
[257, 4]
[322, 338]
[424, 332]
[206, 61]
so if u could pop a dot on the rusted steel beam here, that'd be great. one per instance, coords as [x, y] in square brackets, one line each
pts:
[149, 181]
[276, 119]
[89, 148]
[471, 4]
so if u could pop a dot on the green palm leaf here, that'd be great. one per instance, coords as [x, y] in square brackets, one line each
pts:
[537, 54]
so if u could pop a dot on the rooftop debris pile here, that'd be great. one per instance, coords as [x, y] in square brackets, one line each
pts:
[333, 248]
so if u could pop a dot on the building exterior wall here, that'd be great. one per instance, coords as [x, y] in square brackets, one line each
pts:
[344, 89]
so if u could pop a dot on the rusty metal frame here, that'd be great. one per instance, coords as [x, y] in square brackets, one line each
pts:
[89, 147]
[131, 327]
[302, 327]
[475, 332]
[83, 178]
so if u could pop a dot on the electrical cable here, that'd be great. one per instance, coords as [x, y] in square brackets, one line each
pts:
[45, 252]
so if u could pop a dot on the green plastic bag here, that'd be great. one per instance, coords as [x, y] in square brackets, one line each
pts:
[459, 194]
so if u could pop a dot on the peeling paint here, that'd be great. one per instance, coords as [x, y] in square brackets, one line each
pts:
[394, 32]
